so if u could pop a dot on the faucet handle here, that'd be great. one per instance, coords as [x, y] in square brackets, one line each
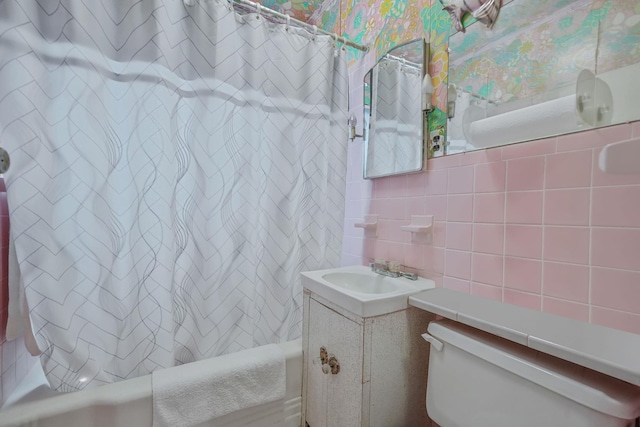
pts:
[393, 266]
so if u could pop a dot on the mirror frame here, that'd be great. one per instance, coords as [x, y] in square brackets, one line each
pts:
[367, 92]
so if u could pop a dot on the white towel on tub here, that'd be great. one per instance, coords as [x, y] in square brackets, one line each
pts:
[198, 392]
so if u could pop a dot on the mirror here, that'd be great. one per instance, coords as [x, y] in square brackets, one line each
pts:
[546, 68]
[393, 116]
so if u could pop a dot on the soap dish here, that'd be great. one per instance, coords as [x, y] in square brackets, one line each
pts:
[369, 223]
[419, 224]
[421, 228]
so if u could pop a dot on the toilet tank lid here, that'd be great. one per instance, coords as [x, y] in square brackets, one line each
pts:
[589, 388]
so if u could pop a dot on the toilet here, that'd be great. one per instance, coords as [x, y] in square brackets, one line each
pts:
[480, 380]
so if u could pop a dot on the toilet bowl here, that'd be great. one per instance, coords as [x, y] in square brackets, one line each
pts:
[480, 380]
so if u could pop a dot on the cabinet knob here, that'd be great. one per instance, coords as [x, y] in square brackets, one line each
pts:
[329, 362]
[334, 364]
[323, 355]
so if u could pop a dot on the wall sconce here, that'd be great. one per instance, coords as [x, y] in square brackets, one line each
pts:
[452, 95]
[352, 127]
[427, 92]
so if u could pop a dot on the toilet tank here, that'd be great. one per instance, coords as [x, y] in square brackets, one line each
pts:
[480, 380]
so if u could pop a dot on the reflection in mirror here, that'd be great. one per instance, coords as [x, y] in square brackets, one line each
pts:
[393, 124]
[547, 68]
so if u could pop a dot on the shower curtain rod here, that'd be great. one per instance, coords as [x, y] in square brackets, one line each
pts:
[311, 28]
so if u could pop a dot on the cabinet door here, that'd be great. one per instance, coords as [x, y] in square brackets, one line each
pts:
[334, 400]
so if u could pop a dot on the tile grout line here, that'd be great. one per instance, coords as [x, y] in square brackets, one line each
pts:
[504, 228]
[473, 192]
[591, 236]
[544, 227]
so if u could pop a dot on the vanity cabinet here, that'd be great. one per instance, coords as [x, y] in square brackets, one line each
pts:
[376, 367]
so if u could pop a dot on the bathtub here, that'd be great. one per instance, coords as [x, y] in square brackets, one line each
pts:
[128, 403]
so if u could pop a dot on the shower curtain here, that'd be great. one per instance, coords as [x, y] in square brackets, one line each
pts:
[395, 137]
[173, 171]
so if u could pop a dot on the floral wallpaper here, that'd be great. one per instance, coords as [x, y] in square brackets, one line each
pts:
[613, 25]
[299, 9]
[523, 58]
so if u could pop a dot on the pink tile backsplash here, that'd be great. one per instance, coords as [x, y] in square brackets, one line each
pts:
[439, 234]
[616, 206]
[460, 180]
[593, 139]
[566, 244]
[616, 319]
[486, 291]
[489, 207]
[529, 149]
[616, 248]
[567, 281]
[417, 206]
[414, 256]
[415, 184]
[524, 207]
[459, 235]
[523, 299]
[456, 284]
[616, 289]
[567, 207]
[457, 264]
[434, 259]
[436, 206]
[460, 207]
[487, 269]
[480, 156]
[490, 177]
[564, 308]
[523, 241]
[569, 170]
[534, 224]
[445, 162]
[525, 174]
[435, 182]
[523, 274]
[392, 208]
[488, 238]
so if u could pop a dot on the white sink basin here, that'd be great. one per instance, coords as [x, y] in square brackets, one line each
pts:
[363, 283]
[362, 292]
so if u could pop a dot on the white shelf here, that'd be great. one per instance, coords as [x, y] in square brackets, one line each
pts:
[370, 222]
[602, 349]
[419, 224]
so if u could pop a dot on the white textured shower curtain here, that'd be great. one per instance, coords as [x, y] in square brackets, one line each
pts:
[173, 171]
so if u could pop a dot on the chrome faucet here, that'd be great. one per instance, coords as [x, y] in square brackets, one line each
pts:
[390, 269]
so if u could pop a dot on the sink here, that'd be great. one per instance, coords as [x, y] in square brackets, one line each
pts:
[363, 283]
[363, 292]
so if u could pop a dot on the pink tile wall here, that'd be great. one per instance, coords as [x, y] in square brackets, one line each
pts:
[535, 224]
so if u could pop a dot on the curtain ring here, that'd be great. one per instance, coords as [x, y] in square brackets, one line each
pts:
[286, 27]
[315, 33]
[258, 7]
